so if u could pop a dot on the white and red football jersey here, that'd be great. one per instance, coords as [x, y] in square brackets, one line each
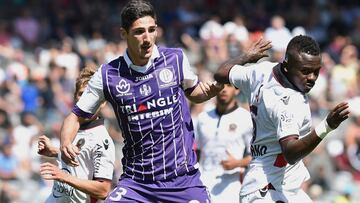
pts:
[277, 111]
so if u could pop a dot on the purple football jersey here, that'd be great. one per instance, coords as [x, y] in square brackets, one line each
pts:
[153, 115]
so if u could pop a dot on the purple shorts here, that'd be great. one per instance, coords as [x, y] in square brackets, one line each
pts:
[185, 188]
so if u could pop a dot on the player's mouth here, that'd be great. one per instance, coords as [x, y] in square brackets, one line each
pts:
[146, 48]
[309, 85]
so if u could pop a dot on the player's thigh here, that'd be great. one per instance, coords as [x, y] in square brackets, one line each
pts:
[121, 194]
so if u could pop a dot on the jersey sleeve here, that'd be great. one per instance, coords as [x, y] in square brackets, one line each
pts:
[92, 97]
[248, 78]
[104, 156]
[190, 78]
[239, 76]
[285, 119]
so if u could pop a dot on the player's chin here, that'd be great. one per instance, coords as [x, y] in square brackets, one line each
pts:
[307, 89]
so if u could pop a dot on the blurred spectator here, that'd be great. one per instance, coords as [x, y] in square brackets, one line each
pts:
[27, 27]
[9, 162]
[343, 75]
[279, 35]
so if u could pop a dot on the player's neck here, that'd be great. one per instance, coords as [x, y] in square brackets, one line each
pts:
[225, 109]
[137, 61]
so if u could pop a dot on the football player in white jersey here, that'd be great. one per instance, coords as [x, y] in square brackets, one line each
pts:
[92, 179]
[283, 133]
[223, 136]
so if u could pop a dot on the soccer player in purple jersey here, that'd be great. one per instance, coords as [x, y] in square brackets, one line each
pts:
[147, 88]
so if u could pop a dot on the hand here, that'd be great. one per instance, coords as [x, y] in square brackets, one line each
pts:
[258, 50]
[45, 147]
[49, 171]
[211, 88]
[230, 163]
[69, 154]
[338, 115]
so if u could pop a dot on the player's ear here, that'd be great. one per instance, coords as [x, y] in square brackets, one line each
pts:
[123, 33]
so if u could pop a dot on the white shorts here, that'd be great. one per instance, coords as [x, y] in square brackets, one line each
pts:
[275, 196]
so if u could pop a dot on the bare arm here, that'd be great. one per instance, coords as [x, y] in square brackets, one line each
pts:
[232, 163]
[68, 132]
[252, 55]
[45, 147]
[204, 91]
[295, 149]
[96, 188]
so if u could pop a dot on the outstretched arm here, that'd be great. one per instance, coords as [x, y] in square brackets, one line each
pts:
[68, 132]
[45, 147]
[252, 55]
[98, 188]
[231, 162]
[204, 91]
[295, 149]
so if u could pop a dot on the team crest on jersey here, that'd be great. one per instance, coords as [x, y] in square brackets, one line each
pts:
[123, 88]
[232, 127]
[166, 77]
[145, 90]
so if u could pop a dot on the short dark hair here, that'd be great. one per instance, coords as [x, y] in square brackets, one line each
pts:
[302, 44]
[134, 10]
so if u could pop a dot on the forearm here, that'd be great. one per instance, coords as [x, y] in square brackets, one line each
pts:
[53, 152]
[69, 129]
[198, 96]
[96, 189]
[296, 149]
[244, 162]
[222, 74]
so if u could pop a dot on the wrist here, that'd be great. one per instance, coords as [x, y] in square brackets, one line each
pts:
[322, 129]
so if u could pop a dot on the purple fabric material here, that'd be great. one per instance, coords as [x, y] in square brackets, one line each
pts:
[77, 111]
[153, 114]
[183, 188]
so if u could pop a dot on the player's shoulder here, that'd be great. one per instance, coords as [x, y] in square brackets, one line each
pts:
[113, 63]
[170, 50]
[278, 97]
[207, 115]
[261, 72]
[263, 67]
[242, 111]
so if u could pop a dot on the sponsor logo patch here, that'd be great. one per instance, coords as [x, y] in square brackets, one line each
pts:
[123, 88]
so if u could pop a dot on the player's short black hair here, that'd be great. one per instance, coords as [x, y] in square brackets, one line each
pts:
[302, 44]
[134, 10]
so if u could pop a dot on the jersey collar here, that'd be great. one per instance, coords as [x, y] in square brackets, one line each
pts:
[282, 79]
[227, 112]
[155, 54]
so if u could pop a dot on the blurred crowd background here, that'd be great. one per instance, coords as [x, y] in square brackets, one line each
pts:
[44, 44]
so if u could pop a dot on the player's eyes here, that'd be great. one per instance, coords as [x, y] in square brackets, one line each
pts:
[138, 32]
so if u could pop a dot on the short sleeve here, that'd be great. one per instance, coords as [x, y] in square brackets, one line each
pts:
[190, 78]
[104, 157]
[93, 96]
[285, 119]
[239, 76]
